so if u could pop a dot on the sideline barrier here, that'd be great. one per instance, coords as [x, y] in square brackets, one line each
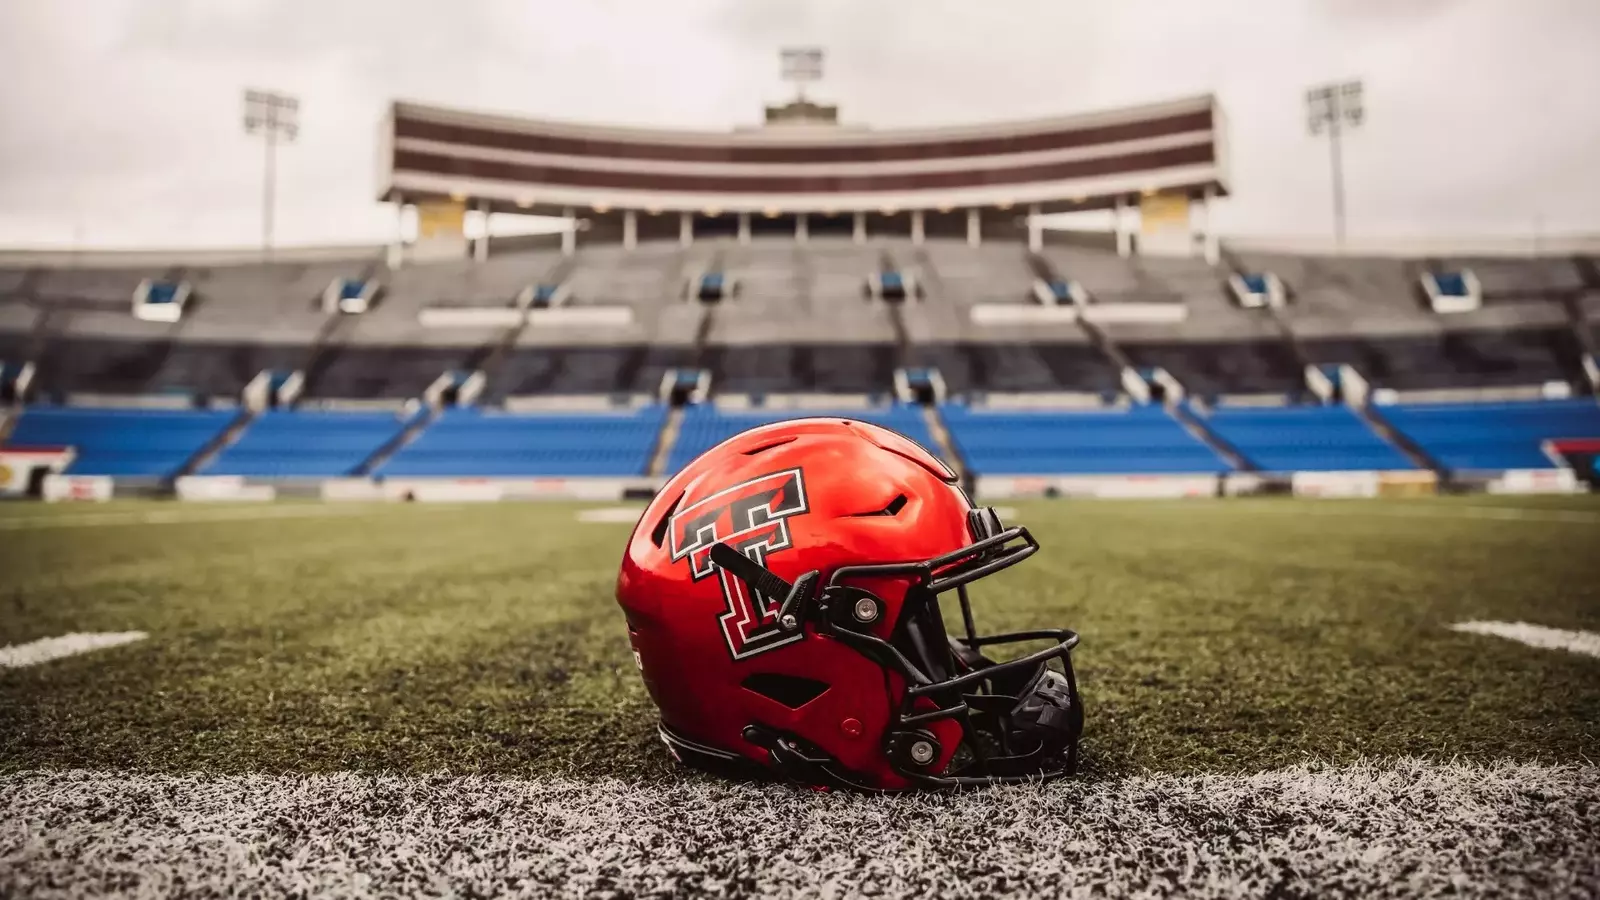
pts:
[19, 464]
[91, 488]
[1014, 487]
[222, 487]
[1335, 484]
[1408, 484]
[1536, 481]
[484, 490]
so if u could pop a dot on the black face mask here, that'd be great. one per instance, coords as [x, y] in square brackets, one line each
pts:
[1020, 719]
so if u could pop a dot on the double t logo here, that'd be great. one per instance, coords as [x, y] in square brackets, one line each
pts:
[753, 518]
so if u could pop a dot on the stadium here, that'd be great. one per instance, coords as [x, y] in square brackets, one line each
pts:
[1320, 517]
[691, 300]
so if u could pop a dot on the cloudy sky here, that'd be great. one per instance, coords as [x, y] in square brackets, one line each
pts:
[120, 119]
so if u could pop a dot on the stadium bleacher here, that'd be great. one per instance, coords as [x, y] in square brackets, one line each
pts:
[1494, 437]
[1141, 440]
[307, 444]
[801, 321]
[705, 426]
[1305, 439]
[476, 443]
[127, 443]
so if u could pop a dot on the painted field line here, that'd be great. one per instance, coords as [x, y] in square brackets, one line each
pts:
[46, 649]
[1356, 507]
[1500, 513]
[1585, 642]
[626, 515]
[1397, 828]
[180, 517]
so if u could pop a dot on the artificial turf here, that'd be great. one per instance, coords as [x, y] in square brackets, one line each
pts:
[1218, 636]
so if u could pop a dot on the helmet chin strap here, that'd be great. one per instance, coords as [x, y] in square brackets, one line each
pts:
[762, 580]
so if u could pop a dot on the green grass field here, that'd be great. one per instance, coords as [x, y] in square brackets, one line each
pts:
[1218, 637]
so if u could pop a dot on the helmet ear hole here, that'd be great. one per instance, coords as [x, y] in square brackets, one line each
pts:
[789, 690]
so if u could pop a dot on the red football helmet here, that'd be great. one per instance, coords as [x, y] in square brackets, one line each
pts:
[782, 597]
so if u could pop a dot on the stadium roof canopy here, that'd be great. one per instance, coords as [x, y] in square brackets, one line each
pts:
[1061, 164]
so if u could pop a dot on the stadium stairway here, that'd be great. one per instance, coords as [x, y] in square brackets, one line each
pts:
[1096, 335]
[1382, 428]
[1185, 416]
[944, 445]
[411, 432]
[666, 439]
[1578, 319]
[224, 439]
[494, 355]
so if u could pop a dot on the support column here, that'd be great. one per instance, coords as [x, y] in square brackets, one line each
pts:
[569, 238]
[802, 227]
[744, 228]
[1035, 229]
[974, 229]
[859, 232]
[397, 248]
[1119, 218]
[630, 229]
[916, 227]
[1213, 243]
[685, 229]
[480, 250]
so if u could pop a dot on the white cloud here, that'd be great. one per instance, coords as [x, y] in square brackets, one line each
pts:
[120, 118]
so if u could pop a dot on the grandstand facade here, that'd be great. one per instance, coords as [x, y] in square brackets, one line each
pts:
[800, 177]
[709, 283]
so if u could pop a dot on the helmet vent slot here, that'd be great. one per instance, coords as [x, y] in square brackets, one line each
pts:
[790, 690]
[658, 534]
[768, 446]
[893, 509]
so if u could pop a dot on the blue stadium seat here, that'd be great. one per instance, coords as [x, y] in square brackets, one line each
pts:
[1138, 441]
[146, 443]
[704, 427]
[1493, 437]
[306, 444]
[473, 443]
[1305, 439]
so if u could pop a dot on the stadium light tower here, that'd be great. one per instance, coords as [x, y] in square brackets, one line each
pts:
[801, 66]
[276, 117]
[1330, 108]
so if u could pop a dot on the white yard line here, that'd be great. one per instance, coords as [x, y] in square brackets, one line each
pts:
[1401, 828]
[1501, 513]
[1393, 509]
[180, 516]
[46, 649]
[1585, 642]
[626, 515]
